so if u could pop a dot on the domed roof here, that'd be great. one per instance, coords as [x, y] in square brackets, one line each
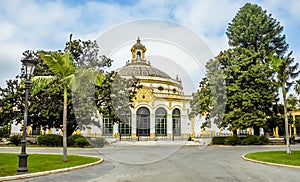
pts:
[141, 69]
[138, 65]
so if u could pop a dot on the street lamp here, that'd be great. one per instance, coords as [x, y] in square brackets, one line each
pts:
[29, 66]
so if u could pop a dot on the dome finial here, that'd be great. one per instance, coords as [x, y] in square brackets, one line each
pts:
[138, 40]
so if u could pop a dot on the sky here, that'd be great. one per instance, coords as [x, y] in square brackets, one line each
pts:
[46, 25]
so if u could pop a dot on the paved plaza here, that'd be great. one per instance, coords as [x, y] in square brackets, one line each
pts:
[169, 163]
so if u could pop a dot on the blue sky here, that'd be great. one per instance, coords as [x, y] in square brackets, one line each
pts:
[37, 24]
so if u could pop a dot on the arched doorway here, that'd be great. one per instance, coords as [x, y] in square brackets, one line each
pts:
[143, 122]
[161, 122]
[176, 122]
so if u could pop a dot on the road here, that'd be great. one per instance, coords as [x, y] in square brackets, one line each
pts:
[171, 163]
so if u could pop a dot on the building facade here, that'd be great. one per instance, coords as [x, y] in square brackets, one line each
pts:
[160, 108]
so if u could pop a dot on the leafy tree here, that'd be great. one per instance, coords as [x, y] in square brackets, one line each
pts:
[210, 99]
[202, 101]
[11, 102]
[292, 102]
[89, 69]
[297, 87]
[257, 35]
[115, 95]
[285, 70]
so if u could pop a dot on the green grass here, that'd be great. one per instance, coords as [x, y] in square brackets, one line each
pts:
[278, 157]
[40, 162]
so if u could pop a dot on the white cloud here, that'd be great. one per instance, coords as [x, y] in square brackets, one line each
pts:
[47, 24]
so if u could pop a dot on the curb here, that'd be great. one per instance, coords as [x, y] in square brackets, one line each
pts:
[269, 163]
[44, 173]
[155, 143]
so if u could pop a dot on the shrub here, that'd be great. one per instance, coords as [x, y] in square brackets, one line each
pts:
[72, 138]
[98, 142]
[255, 140]
[264, 140]
[15, 139]
[4, 131]
[232, 140]
[219, 140]
[81, 142]
[50, 140]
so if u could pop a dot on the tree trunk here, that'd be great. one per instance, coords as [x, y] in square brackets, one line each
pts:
[286, 122]
[65, 159]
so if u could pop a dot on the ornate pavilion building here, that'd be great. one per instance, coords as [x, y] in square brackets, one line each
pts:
[160, 108]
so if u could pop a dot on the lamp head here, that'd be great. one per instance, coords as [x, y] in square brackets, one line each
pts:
[29, 66]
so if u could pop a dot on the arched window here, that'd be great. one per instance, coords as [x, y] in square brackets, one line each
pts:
[138, 55]
[176, 122]
[125, 124]
[143, 122]
[161, 122]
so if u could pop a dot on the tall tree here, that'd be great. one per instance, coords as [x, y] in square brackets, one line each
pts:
[256, 35]
[285, 70]
[63, 68]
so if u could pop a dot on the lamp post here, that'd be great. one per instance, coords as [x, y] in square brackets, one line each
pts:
[29, 66]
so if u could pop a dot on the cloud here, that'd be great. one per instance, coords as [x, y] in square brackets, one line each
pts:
[46, 25]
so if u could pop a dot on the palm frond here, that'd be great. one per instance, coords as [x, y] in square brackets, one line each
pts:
[40, 82]
[69, 63]
[58, 63]
[71, 82]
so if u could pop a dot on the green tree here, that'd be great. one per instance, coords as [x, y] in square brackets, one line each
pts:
[115, 95]
[202, 101]
[209, 100]
[292, 102]
[255, 35]
[285, 70]
[63, 68]
[11, 103]
[297, 87]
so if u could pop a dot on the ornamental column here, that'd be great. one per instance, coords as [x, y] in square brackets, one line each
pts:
[169, 126]
[133, 126]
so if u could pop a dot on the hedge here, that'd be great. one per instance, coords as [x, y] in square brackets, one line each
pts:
[50, 140]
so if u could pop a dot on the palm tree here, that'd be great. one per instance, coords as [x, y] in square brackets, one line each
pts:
[285, 70]
[63, 68]
[64, 71]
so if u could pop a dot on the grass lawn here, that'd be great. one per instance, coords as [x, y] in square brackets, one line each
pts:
[278, 157]
[40, 162]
